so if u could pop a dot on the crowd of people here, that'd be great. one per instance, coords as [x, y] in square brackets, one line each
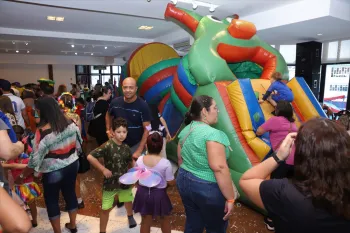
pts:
[304, 185]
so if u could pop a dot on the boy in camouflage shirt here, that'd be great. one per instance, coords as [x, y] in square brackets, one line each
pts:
[117, 158]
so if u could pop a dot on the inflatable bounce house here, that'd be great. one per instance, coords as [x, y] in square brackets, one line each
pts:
[228, 62]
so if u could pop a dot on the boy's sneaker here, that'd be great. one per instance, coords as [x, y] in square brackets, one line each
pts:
[132, 222]
[269, 224]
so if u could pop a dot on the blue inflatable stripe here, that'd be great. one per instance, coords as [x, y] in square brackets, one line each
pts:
[152, 95]
[311, 96]
[172, 116]
[190, 88]
[254, 109]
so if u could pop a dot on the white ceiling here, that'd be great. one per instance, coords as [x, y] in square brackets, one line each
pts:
[115, 23]
[60, 46]
[307, 31]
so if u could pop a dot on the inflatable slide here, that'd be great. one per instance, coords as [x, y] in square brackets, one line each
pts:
[228, 62]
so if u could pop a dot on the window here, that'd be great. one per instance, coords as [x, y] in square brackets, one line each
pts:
[95, 79]
[289, 53]
[291, 70]
[107, 70]
[336, 86]
[116, 79]
[105, 78]
[344, 49]
[93, 71]
[333, 50]
[97, 74]
[82, 69]
[117, 69]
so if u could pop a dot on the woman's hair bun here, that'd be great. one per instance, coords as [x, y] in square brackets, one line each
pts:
[188, 118]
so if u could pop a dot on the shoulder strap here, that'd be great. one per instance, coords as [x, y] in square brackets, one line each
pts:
[188, 134]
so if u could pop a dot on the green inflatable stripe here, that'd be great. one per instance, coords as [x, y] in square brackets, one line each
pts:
[161, 95]
[177, 102]
[156, 68]
[164, 92]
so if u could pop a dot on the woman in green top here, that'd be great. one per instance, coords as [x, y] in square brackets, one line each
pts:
[204, 180]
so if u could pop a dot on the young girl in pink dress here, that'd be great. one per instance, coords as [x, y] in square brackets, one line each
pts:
[154, 202]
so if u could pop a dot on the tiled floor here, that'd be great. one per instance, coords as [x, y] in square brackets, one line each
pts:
[118, 223]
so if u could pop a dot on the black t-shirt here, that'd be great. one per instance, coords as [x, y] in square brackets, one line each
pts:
[97, 126]
[292, 212]
[135, 114]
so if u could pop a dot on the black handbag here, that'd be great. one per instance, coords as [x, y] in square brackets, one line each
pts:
[84, 164]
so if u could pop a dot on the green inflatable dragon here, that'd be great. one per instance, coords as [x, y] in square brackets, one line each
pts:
[223, 51]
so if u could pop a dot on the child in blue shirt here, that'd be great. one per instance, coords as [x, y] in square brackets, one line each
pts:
[277, 91]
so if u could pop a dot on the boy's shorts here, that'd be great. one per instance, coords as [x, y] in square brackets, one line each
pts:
[124, 195]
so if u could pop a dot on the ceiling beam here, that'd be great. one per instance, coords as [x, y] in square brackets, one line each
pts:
[70, 35]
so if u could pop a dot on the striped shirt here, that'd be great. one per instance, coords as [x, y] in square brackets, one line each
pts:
[135, 114]
[53, 151]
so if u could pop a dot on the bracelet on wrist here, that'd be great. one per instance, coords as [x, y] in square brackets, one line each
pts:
[276, 158]
[231, 201]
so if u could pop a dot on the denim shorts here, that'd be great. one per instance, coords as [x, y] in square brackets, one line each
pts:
[60, 180]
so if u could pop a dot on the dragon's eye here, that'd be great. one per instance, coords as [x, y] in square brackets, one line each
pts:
[215, 19]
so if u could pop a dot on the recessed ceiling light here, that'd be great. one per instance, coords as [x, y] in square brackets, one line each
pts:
[60, 19]
[92, 54]
[27, 51]
[106, 47]
[53, 18]
[26, 43]
[319, 34]
[72, 45]
[13, 42]
[76, 53]
[17, 51]
[145, 27]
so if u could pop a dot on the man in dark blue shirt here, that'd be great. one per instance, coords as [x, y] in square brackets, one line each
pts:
[136, 113]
